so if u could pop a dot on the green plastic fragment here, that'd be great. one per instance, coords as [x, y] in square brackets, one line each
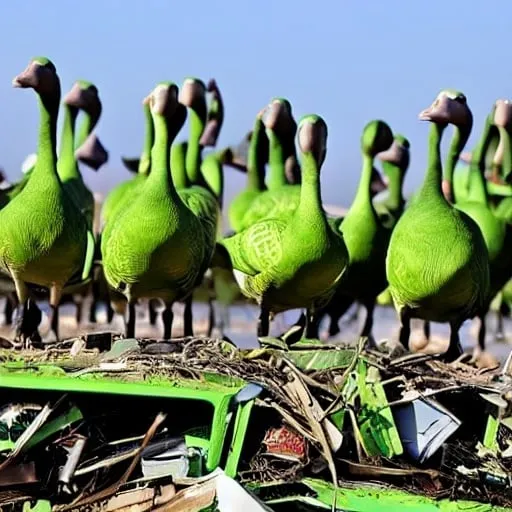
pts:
[389, 500]
[39, 506]
[315, 359]
[375, 418]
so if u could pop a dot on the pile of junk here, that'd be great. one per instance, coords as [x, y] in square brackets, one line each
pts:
[195, 424]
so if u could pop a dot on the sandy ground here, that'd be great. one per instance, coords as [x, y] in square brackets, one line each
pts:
[242, 326]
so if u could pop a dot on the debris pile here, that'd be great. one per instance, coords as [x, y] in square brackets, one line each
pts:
[103, 423]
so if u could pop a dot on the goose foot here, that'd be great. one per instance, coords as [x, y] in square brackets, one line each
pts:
[483, 359]
[454, 348]
[27, 323]
[371, 343]
[393, 348]
[295, 332]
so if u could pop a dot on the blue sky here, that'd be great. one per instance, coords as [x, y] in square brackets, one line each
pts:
[349, 61]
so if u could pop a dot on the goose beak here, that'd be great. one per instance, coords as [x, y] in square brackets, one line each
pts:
[92, 153]
[30, 77]
[503, 113]
[439, 111]
[212, 85]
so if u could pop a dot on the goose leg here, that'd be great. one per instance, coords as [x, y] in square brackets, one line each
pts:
[130, 323]
[312, 325]
[263, 322]
[27, 323]
[153, 313]
[211, 317]
[96, 293]
[79, 304]
[110, 312]
[482, 331]
[188, 329]
[405, 328]
[454, 349]
[55, 296]
[167, 317]
[10, 304]
[426, 329]
[336, 309]
[366, 331]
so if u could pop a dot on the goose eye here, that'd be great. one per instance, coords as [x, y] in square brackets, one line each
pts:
[461, 99]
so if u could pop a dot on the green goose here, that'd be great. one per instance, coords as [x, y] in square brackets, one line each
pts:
[92, 152]
[282, 198]
[256, 160]
[395, 161]
[497, 237]
[297, 262]
[198, 195]
[215, 118]
[437, 263]
[88, 148]
[366, 238]
[157, 249]
[44, 239]
[81, 96]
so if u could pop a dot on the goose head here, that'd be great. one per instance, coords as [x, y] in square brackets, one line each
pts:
[503, 113]
[193, 96]
[215, 116]
[83, 95]
[503, 120]
[312, 137]
[377, 137]
[397, 154]
[277, 116]
[163, 101]
[40, 75]
[450, 107]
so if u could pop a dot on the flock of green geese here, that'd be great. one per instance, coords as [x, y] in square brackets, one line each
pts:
[442, 257]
